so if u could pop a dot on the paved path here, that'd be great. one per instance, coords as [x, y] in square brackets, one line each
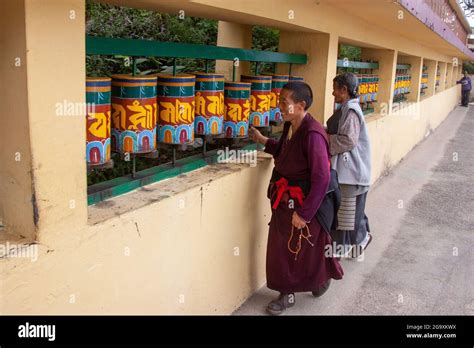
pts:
[421, 260]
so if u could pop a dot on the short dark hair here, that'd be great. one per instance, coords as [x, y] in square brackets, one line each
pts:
[351, 82]
[301, 91]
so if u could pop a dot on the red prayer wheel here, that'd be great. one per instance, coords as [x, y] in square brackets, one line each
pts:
[236, 109]
[134, 113]
[98, 120]
[209, 109]
[259, 99]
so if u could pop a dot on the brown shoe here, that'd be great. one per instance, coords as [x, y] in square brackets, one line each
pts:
[278, 306]
[322, 289]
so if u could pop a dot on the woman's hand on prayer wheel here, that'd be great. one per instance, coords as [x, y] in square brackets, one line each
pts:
[256, 136]
[297, 221]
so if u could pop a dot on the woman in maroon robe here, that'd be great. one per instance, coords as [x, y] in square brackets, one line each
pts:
[297, 251]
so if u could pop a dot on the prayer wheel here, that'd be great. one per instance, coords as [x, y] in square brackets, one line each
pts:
[360, 88]
[371, 87]
[397, 82]
[367, 96]
[134, 114]
[278, 81]
[363, 88]
[98, 120]
[424, 80]
[236, 109]
[295, 78]
[376, 88]
[209, 110]
[176, 107]
[259, 99]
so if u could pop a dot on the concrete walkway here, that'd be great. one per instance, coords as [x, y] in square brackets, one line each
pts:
[421, 260]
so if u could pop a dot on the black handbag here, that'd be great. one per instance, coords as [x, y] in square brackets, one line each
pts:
[327, 212]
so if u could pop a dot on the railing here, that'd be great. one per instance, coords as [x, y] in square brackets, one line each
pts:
[148, 48]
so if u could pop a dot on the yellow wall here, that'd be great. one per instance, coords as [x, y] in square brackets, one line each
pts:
[57, 141]
[443, 66]
[449, 77]
[321, 50]
[172, 252]
[394, 135]
[233, 35]
[16, 186]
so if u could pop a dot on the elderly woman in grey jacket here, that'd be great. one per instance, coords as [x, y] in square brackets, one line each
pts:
[349, 147]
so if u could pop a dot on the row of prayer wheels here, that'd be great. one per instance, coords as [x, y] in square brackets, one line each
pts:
[402, 84]
[368, 87]
[424, 81]
[131, 114]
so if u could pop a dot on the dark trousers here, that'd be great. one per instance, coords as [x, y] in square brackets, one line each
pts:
[465, 97]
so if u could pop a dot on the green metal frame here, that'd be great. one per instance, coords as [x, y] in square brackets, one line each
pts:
[148, 48]
[368, 111]
[403, 66]
[357, 65]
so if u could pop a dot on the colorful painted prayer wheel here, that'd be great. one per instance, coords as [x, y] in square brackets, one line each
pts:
[362, 88]
[98, 120]
[133, 114]
[278, 81]
[176, 104]
[236, 109]
[376, 88]
[395, 87]
[366, 82]
[296, 78]
[371, 87]
[259, 99]
[209, 110]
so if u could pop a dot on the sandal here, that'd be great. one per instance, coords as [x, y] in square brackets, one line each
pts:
[322, 289]
[278, 306]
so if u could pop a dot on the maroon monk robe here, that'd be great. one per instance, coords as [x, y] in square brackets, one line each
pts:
[303, 157]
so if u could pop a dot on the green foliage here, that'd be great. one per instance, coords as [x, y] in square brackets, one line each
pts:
[264, 39]
[469, 67]
[350, 52]
[122, 22]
